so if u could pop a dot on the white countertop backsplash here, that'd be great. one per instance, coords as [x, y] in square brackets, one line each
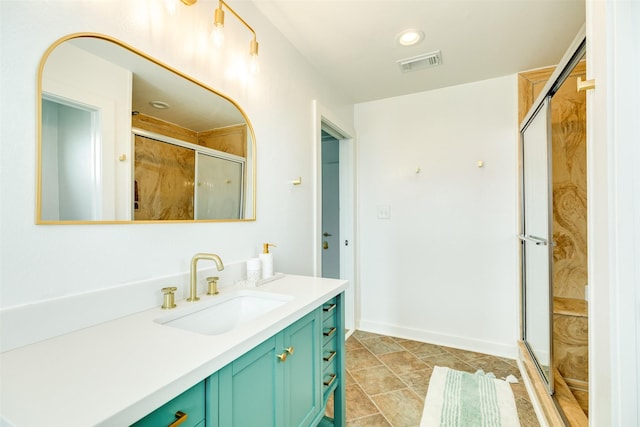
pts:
[33, 322]
[103, 360]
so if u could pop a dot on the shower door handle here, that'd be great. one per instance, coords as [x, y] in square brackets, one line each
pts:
[533, 239]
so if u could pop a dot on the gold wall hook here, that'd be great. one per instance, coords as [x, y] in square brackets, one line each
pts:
[585, 84]
[297, 181]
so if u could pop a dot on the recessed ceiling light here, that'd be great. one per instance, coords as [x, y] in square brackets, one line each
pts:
[410, 37]
[160, 105]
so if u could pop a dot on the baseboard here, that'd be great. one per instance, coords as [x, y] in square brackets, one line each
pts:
[509, 351]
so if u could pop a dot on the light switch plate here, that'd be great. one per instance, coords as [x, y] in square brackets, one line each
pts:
[384, 212]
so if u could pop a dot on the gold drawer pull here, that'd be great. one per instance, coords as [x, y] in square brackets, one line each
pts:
[282, 356]
[328, 308]
[181, 417]
[289, 350]
[330, 357]
[329, 332]
[331, 380]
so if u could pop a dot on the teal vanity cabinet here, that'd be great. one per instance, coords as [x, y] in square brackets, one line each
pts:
[285, 381]
[275, 384]
[186, 410]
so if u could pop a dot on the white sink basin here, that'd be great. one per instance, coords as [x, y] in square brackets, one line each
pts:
[224, 313]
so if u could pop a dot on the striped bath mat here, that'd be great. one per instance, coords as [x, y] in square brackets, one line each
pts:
[461, 399]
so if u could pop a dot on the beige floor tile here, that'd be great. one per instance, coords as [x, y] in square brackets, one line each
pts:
[519, 391]
[464, 355]
[381, 345]
[361, 359]
[449, 361]
[349, 379]
[421, 348]
[418, 381]
[352, 343]
[498, 366]
[362, 335]
[526, 413]
[358, 403]
[402, 361]
[372, 366]
[377, 380]
[403, 408]
[376, 420]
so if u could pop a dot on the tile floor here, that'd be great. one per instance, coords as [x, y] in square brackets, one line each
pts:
[387, 379]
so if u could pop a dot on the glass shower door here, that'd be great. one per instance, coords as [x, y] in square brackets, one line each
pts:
[536, 255]
[219, 188]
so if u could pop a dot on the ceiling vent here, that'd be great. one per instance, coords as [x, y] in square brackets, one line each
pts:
[420, 62]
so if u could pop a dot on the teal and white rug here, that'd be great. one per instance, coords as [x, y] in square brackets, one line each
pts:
[461, 399]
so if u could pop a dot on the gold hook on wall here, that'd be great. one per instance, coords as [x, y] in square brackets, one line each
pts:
[585, 84]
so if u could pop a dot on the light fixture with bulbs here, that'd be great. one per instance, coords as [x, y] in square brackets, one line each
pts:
[218, 30]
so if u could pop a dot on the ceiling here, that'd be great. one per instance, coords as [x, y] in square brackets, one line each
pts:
[353, 42]
[191, 105]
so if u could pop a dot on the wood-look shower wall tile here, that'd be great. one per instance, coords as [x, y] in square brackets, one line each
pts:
[530, 84]
[232, 139]
[164, 181]
[569, 160]
[570, 346]
[161, 127]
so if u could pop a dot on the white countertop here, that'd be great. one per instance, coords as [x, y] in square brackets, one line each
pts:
[114, 373]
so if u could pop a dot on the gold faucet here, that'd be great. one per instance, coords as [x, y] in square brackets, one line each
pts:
[193, 284]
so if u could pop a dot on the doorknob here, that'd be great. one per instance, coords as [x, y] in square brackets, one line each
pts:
[325, 234]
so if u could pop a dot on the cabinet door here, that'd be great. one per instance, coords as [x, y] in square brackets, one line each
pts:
[248, 394]
[211, 395]
[302, 370]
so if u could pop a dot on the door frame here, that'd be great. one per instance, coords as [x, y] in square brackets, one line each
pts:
[325, 119]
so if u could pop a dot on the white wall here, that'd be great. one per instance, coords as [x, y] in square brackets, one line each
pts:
[102, 89]
[443, 267]
[45, 262]
[613, 61]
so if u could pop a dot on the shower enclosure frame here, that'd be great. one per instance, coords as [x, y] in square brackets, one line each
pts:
[573, 55]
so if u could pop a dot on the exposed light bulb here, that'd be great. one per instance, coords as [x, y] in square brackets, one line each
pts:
[254, 64]
[218, 35]
[171, 6]
[218, 26]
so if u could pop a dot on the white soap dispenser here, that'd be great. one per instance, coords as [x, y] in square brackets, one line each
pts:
[266, 259]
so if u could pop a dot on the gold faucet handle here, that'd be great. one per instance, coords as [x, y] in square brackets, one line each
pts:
[213, 285]
[169, 297]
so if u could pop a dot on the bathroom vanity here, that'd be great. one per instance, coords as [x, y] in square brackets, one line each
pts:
[277, 368]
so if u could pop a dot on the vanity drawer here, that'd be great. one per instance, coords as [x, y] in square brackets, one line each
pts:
[189, 403]
[329, 327]
[329, 309]
[329, 350]
[328, 333]
[329, 375]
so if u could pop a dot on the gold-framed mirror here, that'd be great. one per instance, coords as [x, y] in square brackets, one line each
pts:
[124, 138]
